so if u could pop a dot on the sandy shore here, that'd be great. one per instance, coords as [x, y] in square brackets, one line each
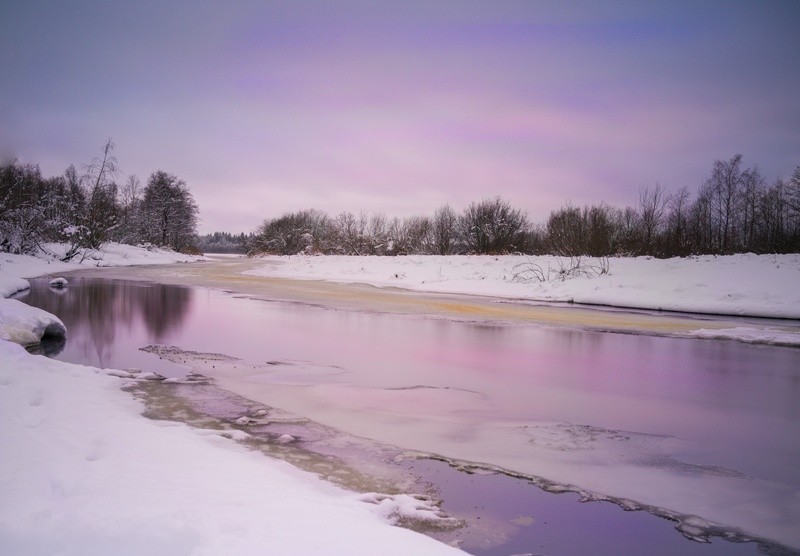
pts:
[226, 274]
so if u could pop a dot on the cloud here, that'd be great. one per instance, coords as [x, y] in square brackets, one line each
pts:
[268, 107]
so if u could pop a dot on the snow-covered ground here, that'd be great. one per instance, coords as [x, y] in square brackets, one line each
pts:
[82, 472]
[14, 268]
[745, 285]
[737, 285]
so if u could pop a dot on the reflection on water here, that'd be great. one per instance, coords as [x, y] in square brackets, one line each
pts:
[102, 316]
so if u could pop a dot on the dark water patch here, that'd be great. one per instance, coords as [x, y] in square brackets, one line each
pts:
[506, 514]
[104, 317]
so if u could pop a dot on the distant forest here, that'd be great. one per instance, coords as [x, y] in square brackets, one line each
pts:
[734, 210]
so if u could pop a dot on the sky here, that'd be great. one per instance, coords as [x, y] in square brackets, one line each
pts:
[267, 107]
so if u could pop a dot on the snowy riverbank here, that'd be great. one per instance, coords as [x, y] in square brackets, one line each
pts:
[82, 472]
[740, 285]
[15, 268]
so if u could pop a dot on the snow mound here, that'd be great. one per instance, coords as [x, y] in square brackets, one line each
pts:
[403, 508]
[26, 325]
[58, 283]
[9, 285]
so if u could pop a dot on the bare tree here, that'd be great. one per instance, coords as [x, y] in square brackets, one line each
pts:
[130, 199]
[678, 222]
[351, 233]
[443, 231]
[793, 200]
[752, 188]
[102, 212]
[565, 232]
[652, 205]
[601, 229]
[723, 190]
[292, 233]
[376, 238]
[409, 236]
[492, 227]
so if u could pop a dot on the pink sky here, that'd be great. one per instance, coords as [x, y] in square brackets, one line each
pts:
[269, 107]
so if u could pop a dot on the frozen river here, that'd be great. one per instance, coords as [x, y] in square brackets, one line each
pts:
[701, 431]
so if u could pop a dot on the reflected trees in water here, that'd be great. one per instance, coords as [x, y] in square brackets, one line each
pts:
[95, 311]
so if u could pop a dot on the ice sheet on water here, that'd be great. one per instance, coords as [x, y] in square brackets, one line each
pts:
[633, 469]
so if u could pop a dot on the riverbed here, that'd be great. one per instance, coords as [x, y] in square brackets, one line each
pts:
[681, 428]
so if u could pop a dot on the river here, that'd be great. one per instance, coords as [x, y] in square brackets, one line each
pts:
[681, 428]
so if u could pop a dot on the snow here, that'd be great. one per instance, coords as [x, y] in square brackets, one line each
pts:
[70, 484]
[741, 285]
[14, 268]
[25, 325]
[750, 335]
[81, 472]
[59, 282]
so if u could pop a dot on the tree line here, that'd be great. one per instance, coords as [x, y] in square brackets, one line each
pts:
[733, 211]
[86, 209]
[225, 242]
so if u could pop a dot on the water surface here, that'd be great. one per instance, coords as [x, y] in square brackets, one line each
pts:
[537, 400]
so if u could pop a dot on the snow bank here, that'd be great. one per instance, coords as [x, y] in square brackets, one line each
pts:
[749, 335]
[742, 285]
[26, 325]
[9, 285]
[13, 268]
[120, 254]
[81, 472]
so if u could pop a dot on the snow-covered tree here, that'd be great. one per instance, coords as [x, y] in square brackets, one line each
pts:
[169, 212]
[22, 214]
[492, 226]
[293, 233]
